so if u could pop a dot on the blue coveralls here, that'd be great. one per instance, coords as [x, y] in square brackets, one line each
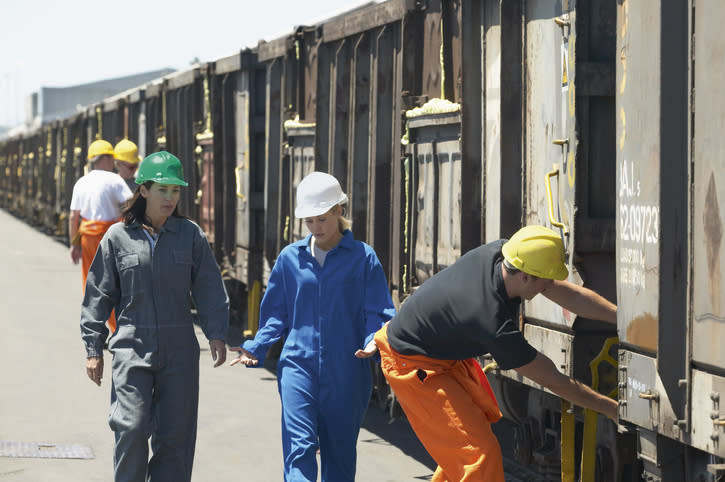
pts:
[325, 314]
[155, 369]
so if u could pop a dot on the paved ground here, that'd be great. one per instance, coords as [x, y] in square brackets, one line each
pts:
[45, 395]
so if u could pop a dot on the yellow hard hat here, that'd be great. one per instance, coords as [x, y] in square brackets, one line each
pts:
[537, 251]
[127, 151]
[99, 148]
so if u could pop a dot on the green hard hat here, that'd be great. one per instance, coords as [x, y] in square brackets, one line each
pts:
[161, 167]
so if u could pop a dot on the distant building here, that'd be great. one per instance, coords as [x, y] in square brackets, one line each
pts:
[52, 103]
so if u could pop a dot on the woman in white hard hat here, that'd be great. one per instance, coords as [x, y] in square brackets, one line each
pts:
[327, 295]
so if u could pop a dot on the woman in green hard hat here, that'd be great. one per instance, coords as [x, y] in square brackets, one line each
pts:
[146, 268]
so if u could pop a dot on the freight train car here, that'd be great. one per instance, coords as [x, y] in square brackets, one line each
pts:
[451, 123]
[669, 155]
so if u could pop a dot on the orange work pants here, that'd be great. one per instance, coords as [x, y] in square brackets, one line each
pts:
[91, 234]
[450, 406]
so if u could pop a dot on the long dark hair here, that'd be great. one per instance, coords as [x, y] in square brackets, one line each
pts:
[135, 208]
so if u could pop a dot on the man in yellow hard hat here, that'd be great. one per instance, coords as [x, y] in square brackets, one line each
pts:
[95, 206]
[127, 160]
[469, 309]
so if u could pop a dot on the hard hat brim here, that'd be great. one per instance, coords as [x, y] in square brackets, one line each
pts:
[302, 212]
[164, 180]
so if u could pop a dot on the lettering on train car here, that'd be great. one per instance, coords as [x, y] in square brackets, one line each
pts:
[639, 225]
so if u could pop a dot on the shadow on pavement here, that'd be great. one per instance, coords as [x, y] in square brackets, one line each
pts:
[401, 435]
[397, 433]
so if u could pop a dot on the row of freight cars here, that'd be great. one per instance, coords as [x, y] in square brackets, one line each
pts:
[451, 123]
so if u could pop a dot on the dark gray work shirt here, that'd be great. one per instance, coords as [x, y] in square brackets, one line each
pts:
[152, 294]
[463, 312]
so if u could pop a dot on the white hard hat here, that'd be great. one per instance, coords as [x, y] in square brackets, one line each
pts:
[317, 193]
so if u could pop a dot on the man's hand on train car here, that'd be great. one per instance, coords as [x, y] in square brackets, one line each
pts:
[245, 357]
[94, 369]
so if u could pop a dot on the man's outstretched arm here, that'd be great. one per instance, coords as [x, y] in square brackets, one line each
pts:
[582, 301]
[543, 371]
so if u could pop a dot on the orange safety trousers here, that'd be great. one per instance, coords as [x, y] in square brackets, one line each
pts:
[450, 405]
[91, 234]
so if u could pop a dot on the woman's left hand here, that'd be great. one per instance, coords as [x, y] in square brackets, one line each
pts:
[369, 350]
[218, 351]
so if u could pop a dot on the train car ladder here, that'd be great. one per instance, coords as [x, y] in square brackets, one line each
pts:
[589, 439]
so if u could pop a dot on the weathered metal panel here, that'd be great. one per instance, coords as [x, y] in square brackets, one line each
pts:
[424, 177]
[638, 376]
[184, 118]
[588, 195]
[437, 175]
[322, 112]
[652, 175]
[450, 180]
[273, 145]
[340, 112]
[226, 65]
[249, 124]
[556, 344]
[545, 118]
[708, 413]
[644, 398]
[385, 133]
[452, 49]
[218, 118]
[310, 44]
[359, 140]
[301, 152]
[431, 51]
[491, 131]
[502, 83]
[708, 216]
[182, 79]
[242, 124]
[469, 45]
[366, 18]
[638, 173]
[274, 48]
[547, 125]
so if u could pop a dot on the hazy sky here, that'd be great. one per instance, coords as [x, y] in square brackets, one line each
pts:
[62, 43]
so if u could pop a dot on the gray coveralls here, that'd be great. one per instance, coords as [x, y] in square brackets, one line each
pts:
[155, 369]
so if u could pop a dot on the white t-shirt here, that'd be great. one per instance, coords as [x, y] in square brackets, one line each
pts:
[319, 254]
[99, 194]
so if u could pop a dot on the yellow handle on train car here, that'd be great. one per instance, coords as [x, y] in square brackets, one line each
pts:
[589, 437]
[254, 298]
[553, 222]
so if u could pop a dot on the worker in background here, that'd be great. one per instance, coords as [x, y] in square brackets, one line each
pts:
[327, 296]
[95, 206]
[469, 309]
[152, 267]
[127, 160]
